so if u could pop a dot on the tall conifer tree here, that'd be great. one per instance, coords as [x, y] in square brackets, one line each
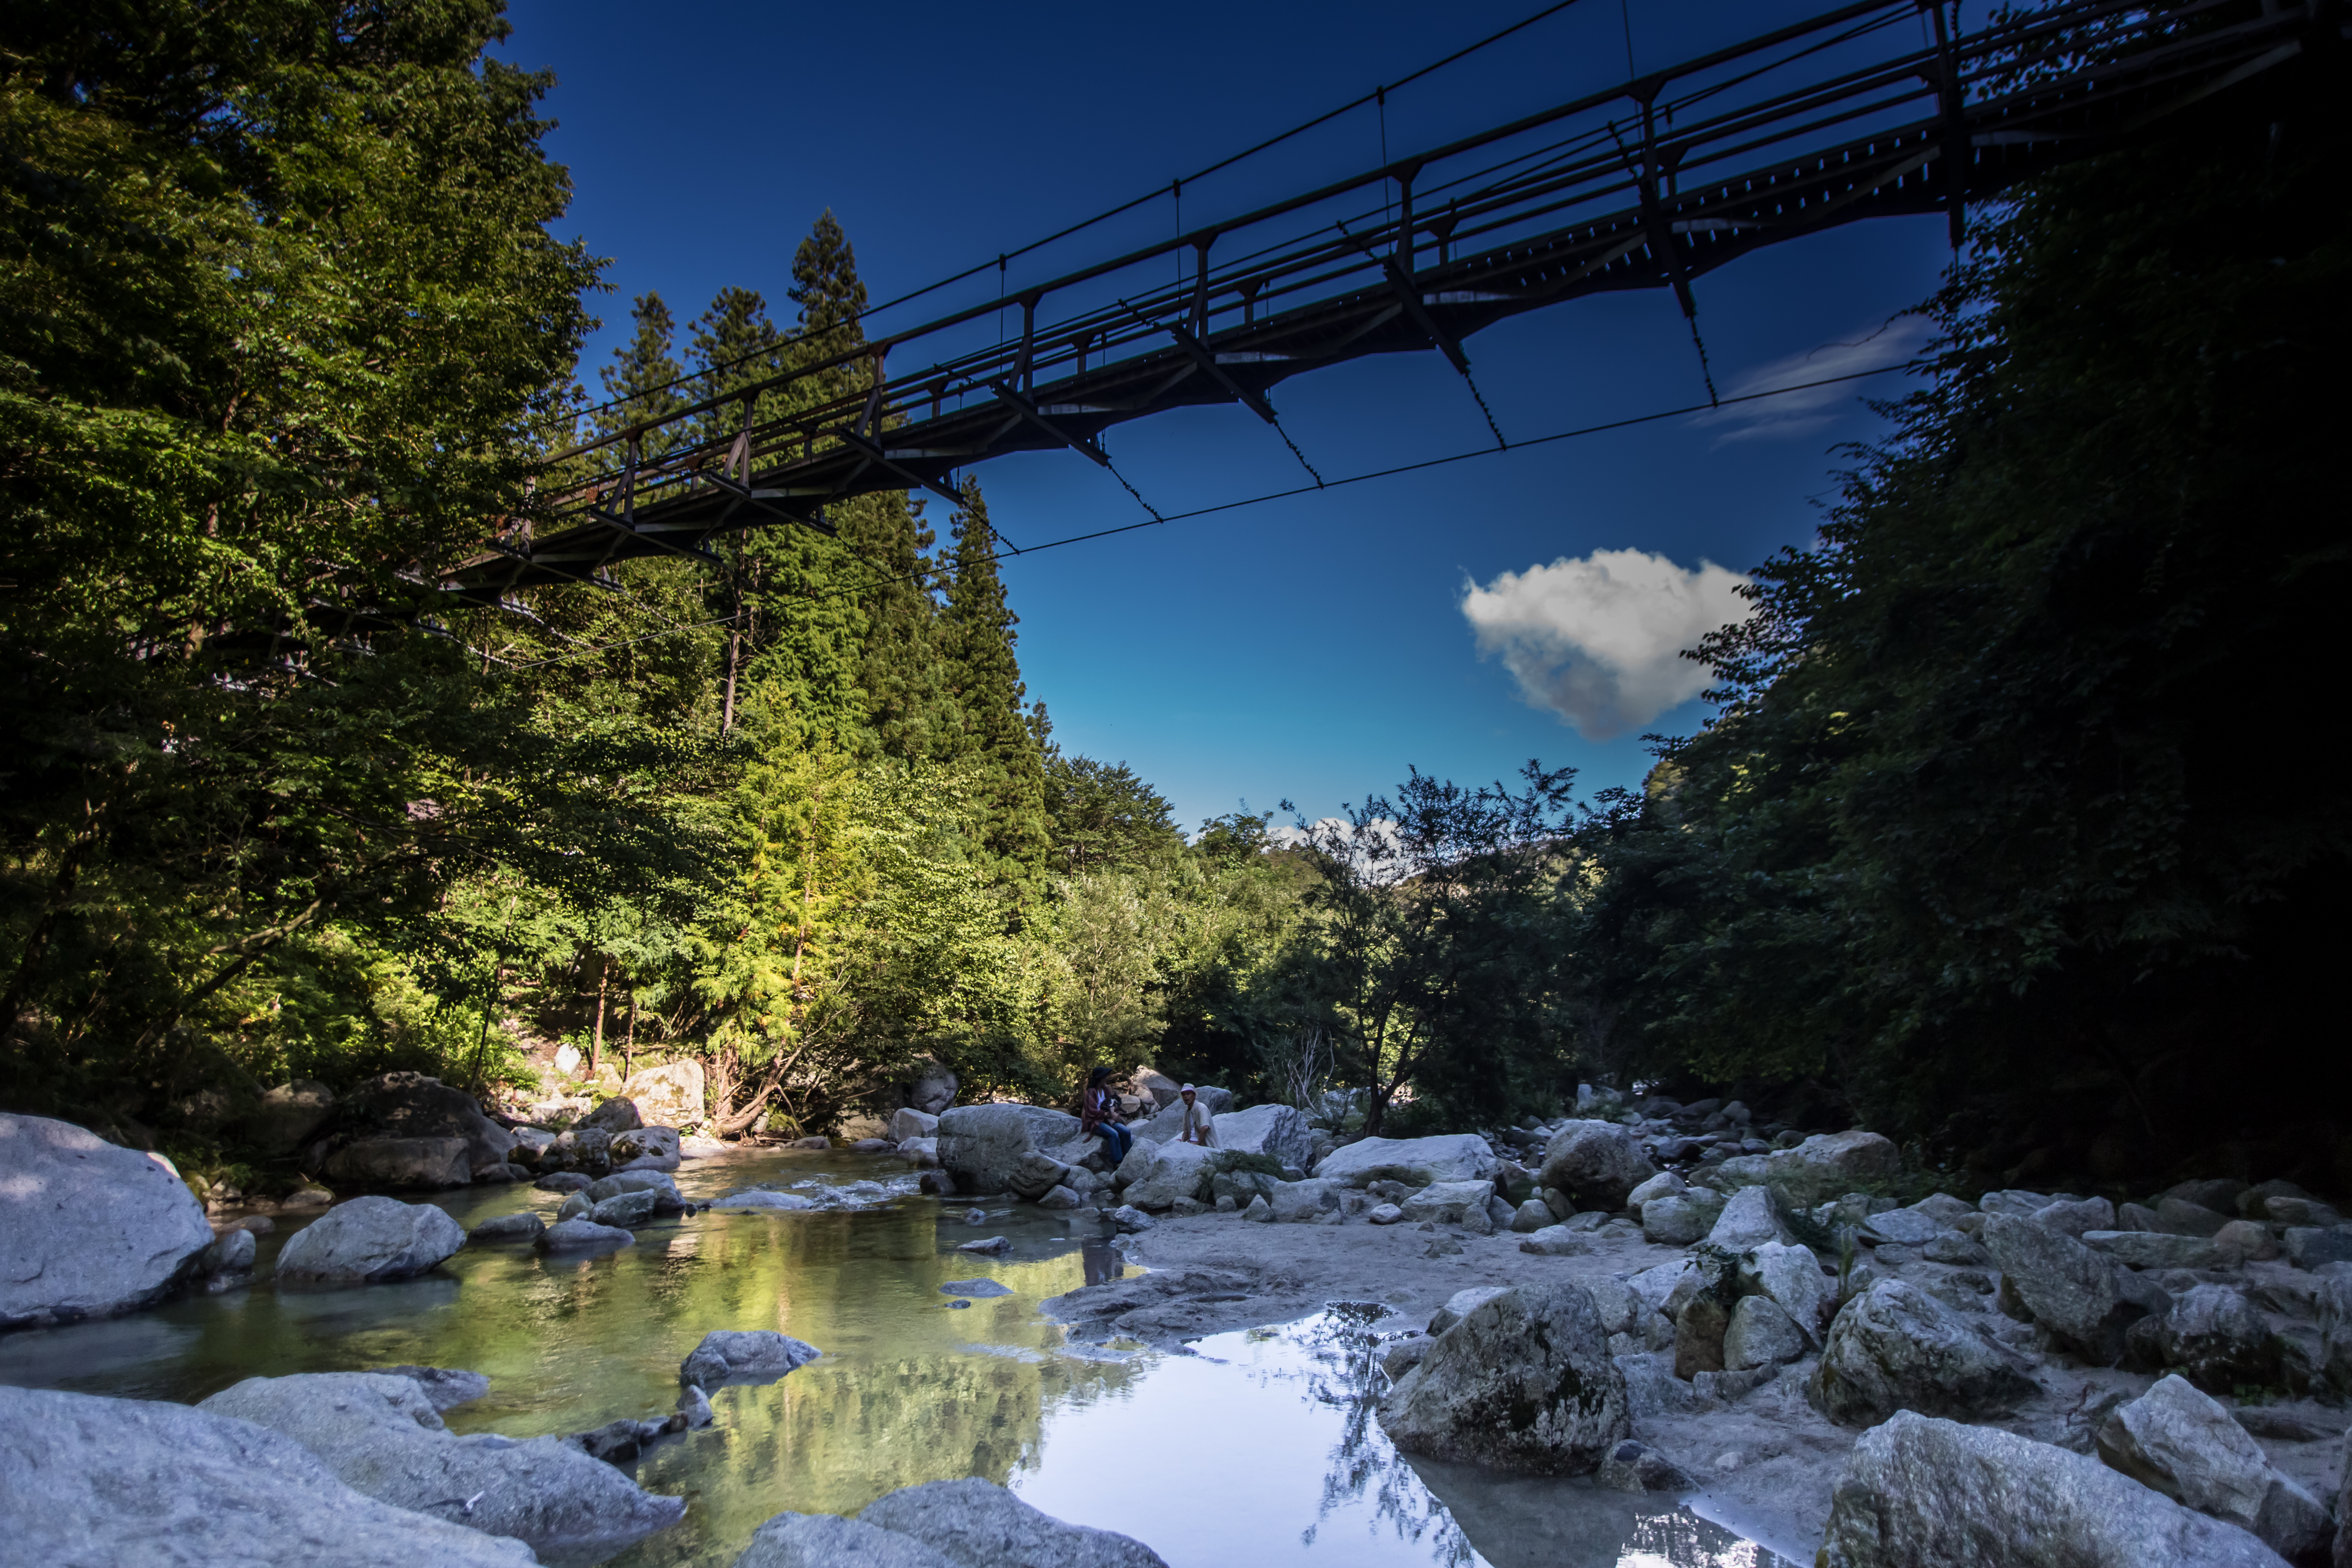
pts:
[985, 677]
[639, 383]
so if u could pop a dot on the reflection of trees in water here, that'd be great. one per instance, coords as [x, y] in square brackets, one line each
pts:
[1346, 1355]
[1685, 1541]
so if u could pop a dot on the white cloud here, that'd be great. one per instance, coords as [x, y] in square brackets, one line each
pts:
[1599, 640]
[1817, 407]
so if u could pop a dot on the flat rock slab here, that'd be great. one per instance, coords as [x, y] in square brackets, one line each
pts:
[978, 1289]
[383, 1436]
[583, 1235]
[95, 1481]
[760, 1201]
[977, 1524]
[91, 1229]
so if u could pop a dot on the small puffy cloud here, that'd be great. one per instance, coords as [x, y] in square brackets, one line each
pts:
[1599, 639]
[1816, 408]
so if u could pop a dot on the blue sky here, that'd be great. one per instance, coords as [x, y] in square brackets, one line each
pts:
[1312, 647]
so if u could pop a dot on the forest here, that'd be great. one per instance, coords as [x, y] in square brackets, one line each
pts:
[2014, 835]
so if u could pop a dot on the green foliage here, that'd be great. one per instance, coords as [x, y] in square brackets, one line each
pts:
[1974, 840]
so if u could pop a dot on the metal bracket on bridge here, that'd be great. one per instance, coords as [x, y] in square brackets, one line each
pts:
[1028, 410]
[873, 452]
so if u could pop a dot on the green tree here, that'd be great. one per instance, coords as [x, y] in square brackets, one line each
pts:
[644, 382]
[985, 677]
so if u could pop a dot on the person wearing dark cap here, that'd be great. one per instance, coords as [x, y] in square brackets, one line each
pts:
[1098, 1116]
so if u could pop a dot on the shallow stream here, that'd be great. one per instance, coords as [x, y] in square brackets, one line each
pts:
[1256, 1448]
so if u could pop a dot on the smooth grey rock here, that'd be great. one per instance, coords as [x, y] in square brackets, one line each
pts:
[583, 1235]
[1128, 1219]
[1919, 1492]
[1651, 1386]
[1531, 1216]
[1302, 1202]
[982, 1145]
[1383, 1213]
[922, 1152]
[1523, 1383]
[1901, 1228]
[622, 1209]
[666, 1196]
[930, 1087]
[1614, 1299]
[2069, 1289]
[2299, 1211]
[977, 1290]
[521, 1226]
[2158, 1249]
[1034, 1174]
[1060, 1197]
[1157, 1174]
[1279, 1131]
[409, 1108]
[578, 1206]
[2015, 1202]
[828, 1540]
[2250, 1240]
[2175, 1439]
[908, 1122]
[1415, 1161]
[1448, 1202]
[759, 1200]
[1664, 1184]
[695, 1406]
[384, 1437]
[1461, 1304]
[371, 1239]
[1827, 1164]
[1678, 1219]
[670, 1095]
[2218, 1194]
[992, 1244]
[1761, 1334]
[1551, 1241]
[1635, 1467]
[230, 1253]
[1598, 1162]
[2310, 1247]
[2074, 1215]
[1957, 1249]
[288, 1116]
[647, 1149]
[1749, 1220]
[444, 1387]
[1945, 1209]
[2217, 1339]
[588, 1150]
[2137, 1217]
[977, 1524]
[1404, 1354]
[618, 1114]
[564, 1182]
[2183, 1218]
[1895, 1347]
[414, 1164]
[747, 1355]
[95, 1482]
[1259, 1212]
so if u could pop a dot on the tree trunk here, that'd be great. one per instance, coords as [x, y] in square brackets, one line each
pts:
[596, 1039]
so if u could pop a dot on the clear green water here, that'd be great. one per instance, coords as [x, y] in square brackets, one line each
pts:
[1258, 1449]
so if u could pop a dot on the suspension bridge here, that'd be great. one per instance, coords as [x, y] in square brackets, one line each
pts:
[1873, 109]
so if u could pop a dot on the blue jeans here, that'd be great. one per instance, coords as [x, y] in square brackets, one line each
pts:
[1117, 1140]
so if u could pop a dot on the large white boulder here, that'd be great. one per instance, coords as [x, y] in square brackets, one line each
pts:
[1599, 1164]
[1523, 1382]
[829, 1540]
[908, 1122]
[670, 1095]
[2078, 1294]
[384, 1437]
[1279, 1131]
[95, 1481]
[1824, 1166]
[1895, 1347]
[1920, 1492]
[371, 1239]
[982, 1146]
[1448, 1202]
[1415, 1161]
[88, 1229]
[1748, 1220]
[2187, 1447]
[1791, 1278]
[1157, 1174]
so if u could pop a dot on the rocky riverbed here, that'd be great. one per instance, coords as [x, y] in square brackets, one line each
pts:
[1538, 1341]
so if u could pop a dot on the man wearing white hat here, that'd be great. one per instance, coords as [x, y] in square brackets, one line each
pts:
[1197, 1127]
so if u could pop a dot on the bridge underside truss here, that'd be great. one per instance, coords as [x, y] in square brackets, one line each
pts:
[1651, 186]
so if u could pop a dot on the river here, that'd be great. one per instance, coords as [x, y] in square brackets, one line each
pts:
[1256, 1448]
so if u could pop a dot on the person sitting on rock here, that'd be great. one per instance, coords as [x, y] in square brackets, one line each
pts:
[1099, 1114]
[1197, 1127]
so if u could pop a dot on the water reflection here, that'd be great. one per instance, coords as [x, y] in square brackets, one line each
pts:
[1262, 1448]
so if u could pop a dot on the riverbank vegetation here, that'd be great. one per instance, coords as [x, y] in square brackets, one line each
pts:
[2016, 834]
